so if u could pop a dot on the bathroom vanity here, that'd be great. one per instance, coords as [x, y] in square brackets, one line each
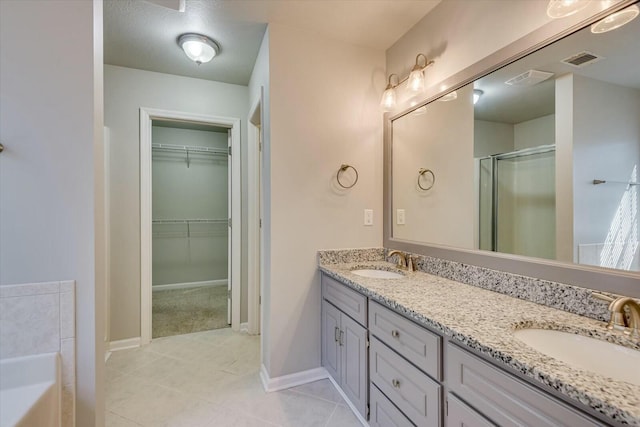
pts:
[428, 351]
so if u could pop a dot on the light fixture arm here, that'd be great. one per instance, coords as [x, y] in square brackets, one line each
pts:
[391, 85]
[427, 64]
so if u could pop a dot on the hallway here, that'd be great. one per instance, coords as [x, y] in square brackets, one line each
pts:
[211, 379]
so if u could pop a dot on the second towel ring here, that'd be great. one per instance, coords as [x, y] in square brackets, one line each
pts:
[421, 172]
[343, 168]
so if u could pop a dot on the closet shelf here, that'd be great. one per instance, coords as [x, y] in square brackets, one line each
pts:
[190, 221]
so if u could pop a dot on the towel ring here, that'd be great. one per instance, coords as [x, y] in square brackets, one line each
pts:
[343, 168]
[421, 172]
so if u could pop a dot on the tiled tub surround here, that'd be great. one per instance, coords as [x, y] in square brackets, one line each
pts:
[485, 321]
[40, 318]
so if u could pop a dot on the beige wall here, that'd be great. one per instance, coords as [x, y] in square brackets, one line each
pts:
[126, 90]
[324, 111]
[441, 140]
[51, 126]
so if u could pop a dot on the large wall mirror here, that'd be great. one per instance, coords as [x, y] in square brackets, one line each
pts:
[538, 160]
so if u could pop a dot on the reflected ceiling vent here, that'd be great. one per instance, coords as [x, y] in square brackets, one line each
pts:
[582, 59]
[529, 78]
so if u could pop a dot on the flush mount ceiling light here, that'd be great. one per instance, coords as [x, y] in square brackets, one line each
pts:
[449, 97]
[198, 48]
[615, 20]
[415, 84]
[563, 8]
[477, 93]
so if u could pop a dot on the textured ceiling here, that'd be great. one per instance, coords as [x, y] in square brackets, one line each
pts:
[140, 34]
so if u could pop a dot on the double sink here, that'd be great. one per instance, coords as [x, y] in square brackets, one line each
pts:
[585, 353]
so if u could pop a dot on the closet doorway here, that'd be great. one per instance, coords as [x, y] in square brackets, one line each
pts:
[190, 200]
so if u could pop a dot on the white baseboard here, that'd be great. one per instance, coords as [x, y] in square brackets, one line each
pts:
[124, 344]
[291, 380]
[346, 399]
[187, 285]
[244, 327]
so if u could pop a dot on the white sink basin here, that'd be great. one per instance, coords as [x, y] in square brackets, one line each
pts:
[611, 360]
[377, 274]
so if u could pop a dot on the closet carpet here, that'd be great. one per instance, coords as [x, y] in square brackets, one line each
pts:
[183, 311]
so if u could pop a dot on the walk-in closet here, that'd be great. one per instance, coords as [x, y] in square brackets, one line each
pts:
[190, 239]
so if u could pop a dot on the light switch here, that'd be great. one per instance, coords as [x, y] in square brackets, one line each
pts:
[400, 216]
[368, 217]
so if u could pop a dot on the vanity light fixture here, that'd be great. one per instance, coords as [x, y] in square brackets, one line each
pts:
[616, 20]
[477, 93]
[563, 8]
[198, 48]
[388, 102]
[449, 97]
[415, 83]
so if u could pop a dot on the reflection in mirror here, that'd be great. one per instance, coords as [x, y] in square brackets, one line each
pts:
[543, 161]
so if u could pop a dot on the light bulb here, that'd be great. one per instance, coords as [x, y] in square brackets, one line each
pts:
[388, 102]
[415, 83]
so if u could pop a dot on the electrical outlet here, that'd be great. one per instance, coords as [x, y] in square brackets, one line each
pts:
[400, 216]
[368, 217]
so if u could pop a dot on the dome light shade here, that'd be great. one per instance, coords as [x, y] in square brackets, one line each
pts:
[616, 20]
[198, 48]
[477, 93]
[563, 8]
[388, 102]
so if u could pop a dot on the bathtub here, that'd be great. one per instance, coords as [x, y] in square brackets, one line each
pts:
[30, 391]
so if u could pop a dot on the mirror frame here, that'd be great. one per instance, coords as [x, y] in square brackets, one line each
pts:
[599, 278]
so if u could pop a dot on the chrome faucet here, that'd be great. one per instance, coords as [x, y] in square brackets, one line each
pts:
[618, 319]
[405, 261]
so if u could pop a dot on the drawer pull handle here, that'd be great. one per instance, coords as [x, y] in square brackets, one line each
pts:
[395, 383]
[395, 333]
[341, 340]
[336, 334]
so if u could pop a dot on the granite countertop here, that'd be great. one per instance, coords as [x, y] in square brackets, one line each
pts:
[486, 320]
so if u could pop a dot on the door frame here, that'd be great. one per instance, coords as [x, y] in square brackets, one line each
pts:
[254, 213]
[232, 123]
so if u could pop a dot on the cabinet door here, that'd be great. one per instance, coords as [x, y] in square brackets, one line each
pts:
[330, 340]
[384, 413]
[354, 363]
[460, 415]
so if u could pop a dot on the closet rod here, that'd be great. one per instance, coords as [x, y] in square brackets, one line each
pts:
[191, 149]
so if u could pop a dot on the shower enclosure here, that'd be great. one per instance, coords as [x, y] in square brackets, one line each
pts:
[517, 200]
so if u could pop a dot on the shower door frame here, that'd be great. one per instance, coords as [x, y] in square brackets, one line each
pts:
[494, 185]
[147, 115]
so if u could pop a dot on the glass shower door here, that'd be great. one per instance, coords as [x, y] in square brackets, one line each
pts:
[517, 203]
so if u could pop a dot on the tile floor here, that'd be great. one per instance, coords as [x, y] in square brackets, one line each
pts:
[211, 379]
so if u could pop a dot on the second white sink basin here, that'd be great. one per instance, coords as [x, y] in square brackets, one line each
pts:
[377, 274]
[611, 360]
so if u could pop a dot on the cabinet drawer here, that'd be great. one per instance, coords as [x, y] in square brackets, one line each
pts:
[349, 302]
[460, 415]
[412, 391]
[503, 398]
[418, 345]
[384, 413]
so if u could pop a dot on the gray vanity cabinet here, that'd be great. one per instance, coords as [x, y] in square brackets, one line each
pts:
[344, 342]
[503, 398]
[460, 415]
